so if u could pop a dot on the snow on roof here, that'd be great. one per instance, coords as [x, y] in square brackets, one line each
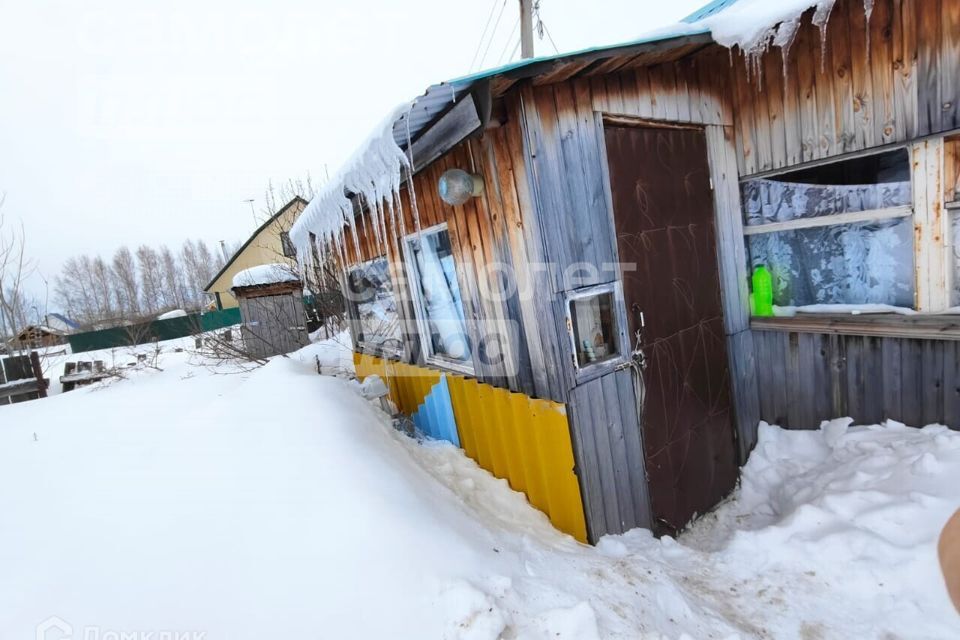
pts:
[265, 274]
[373, 172]
[40, 328]
[375, 169]
[753, 25]
[169, 315]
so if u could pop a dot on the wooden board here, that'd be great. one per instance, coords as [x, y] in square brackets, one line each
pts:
[609, 455]
[805, 378]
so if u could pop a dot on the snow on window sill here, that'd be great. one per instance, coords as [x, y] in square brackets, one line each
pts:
[841, 309]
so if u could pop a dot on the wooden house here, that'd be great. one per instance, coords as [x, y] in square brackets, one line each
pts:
[269, 244]
[587, 297]
[38, 336]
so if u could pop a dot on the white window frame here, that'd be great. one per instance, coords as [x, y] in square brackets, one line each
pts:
[362, 345]
[419, 311]
[932, 250]
[595, 369]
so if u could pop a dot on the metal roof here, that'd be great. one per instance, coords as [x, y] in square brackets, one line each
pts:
[710, 9]
[438, 98]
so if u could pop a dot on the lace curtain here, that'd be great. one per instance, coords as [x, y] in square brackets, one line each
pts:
[858, 263]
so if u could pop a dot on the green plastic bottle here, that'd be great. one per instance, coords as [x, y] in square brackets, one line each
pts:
[762, 292]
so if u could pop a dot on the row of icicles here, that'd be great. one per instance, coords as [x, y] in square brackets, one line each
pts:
[784, 34]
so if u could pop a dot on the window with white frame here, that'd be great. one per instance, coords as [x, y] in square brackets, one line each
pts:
[370, 291]
[436, 293]
[839, 233]
[594, 325]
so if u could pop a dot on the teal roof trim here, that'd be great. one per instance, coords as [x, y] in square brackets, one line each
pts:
[519, 64]
[708, 10]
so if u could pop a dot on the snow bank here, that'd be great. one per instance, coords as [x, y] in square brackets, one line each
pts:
[265, 274]
[276, 503]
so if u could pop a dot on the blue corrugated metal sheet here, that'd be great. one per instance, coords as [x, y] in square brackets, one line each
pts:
[435, 416]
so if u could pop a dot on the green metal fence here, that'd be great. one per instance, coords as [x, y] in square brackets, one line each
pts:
[156, 330]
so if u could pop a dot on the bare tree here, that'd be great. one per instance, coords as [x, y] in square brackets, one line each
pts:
[276, 196]
[101, 279]
[321, 274]
[173, 285]
[125, 282]
[151, 278]
[15, 268]
[198, 268]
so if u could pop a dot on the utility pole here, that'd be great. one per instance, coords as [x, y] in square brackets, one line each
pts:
[526, 28]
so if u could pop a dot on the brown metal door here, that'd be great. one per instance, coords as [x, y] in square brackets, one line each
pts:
[663, 210]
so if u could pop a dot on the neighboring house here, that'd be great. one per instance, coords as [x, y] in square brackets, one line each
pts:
[269, 244]
[37, 336]
[579, 318]
[61, 323]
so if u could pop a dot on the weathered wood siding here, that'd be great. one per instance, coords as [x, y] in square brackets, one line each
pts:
[610, 457]
[805, 378]
[889, 80]
[569, 177]
[273, 324]
[494, 249]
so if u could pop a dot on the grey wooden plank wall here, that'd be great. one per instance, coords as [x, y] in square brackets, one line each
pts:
[850, 95]
[608, 448]
[805, 378]
[273, 324]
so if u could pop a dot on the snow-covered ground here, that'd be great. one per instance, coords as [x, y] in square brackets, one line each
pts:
[276, 503]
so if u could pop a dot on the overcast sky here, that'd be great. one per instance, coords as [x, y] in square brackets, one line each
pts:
[126, 122]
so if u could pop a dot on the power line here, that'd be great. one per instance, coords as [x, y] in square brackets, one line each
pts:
[549, 37]
[493, 7]
[506, 47]
[493, 33]
[515, 49]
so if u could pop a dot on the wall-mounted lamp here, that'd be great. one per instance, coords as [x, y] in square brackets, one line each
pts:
[457, 186]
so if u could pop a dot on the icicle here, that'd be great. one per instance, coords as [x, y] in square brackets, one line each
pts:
[403, 218]
[821, 18]
[385, 245]
[786, 36]
[364, 217]
[372, 174]
[410, 187]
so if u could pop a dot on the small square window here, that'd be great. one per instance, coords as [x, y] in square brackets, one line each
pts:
[594, 325]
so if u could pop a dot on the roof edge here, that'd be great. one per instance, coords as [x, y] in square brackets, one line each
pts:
[253, 235]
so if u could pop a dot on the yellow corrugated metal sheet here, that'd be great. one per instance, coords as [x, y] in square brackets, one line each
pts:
[408, 384]
[520, 439]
